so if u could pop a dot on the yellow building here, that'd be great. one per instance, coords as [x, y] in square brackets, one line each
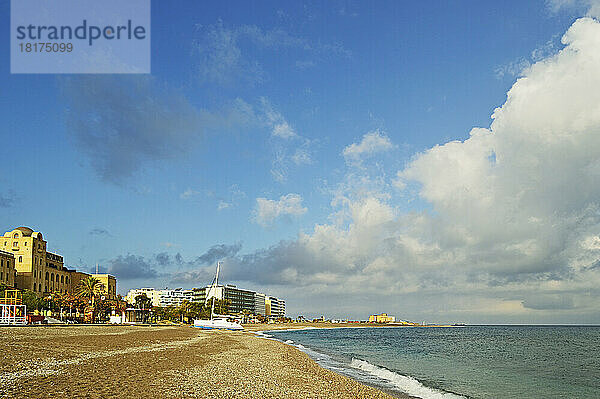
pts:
[41, 271]
[153, 295]
[381, 318]
[29, 249]
[7, 269]
[110, 286]
[57, 277]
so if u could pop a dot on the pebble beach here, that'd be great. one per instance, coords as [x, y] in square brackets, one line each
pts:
[161, 362]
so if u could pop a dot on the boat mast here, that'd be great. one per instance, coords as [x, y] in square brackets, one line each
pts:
[215, 285]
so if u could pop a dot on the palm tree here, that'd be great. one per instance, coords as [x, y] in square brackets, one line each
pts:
[90, 288]
[143, 302]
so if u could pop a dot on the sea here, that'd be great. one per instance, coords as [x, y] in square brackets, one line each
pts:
[461, 362]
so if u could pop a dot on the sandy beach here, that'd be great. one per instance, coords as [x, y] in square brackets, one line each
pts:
[161, 362]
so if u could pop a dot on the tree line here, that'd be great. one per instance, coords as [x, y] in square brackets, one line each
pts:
[186, 312]
[87, 299]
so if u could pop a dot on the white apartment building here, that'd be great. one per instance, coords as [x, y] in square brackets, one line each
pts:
[174, 297]
[259, 304]
[275, 308]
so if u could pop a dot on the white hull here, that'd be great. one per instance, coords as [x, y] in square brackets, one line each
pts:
[217, 324]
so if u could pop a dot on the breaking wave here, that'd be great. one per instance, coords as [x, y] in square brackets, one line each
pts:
[403, 383]
[370, 374]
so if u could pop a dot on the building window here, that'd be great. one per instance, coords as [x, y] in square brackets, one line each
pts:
[40, 288]
[62, 279]
[16, 235]
[20, 259]
[47, 275]
[52, 277]
[34, 288]
[15, 243]
[35, 273]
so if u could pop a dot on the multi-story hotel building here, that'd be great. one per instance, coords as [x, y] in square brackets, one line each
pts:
[243, 300]
[162, 298]
[260, 304]
[174, 297]
[275, 308]
[239, 299]
[41, 271]
[7, 269]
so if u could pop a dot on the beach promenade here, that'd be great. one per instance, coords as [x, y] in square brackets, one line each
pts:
[161, 362]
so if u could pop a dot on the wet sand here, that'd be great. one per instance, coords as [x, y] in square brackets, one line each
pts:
[161, 362]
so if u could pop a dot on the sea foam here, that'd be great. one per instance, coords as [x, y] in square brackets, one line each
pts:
[406, 384]
[366, 372]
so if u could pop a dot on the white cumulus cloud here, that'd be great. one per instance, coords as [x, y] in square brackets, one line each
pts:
[371, 143]
[267, 210]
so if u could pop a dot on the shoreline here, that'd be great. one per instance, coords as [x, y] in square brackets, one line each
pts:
[164, 362]
[261, 334]
[293, 327]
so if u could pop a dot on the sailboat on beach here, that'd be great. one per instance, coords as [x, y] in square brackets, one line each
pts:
[216, 322]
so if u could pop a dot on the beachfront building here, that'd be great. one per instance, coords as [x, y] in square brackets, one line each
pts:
[240, 300]
[259, 304]
[57, 276]
[42, 271]
[151, 293]
[161, 298]
[201, 294]
[29, 250]
[7, 269]
[381, 318]
[174, 297]
[275, 308]
[37, 269]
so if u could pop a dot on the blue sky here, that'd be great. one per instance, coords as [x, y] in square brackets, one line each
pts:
[239, 146]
